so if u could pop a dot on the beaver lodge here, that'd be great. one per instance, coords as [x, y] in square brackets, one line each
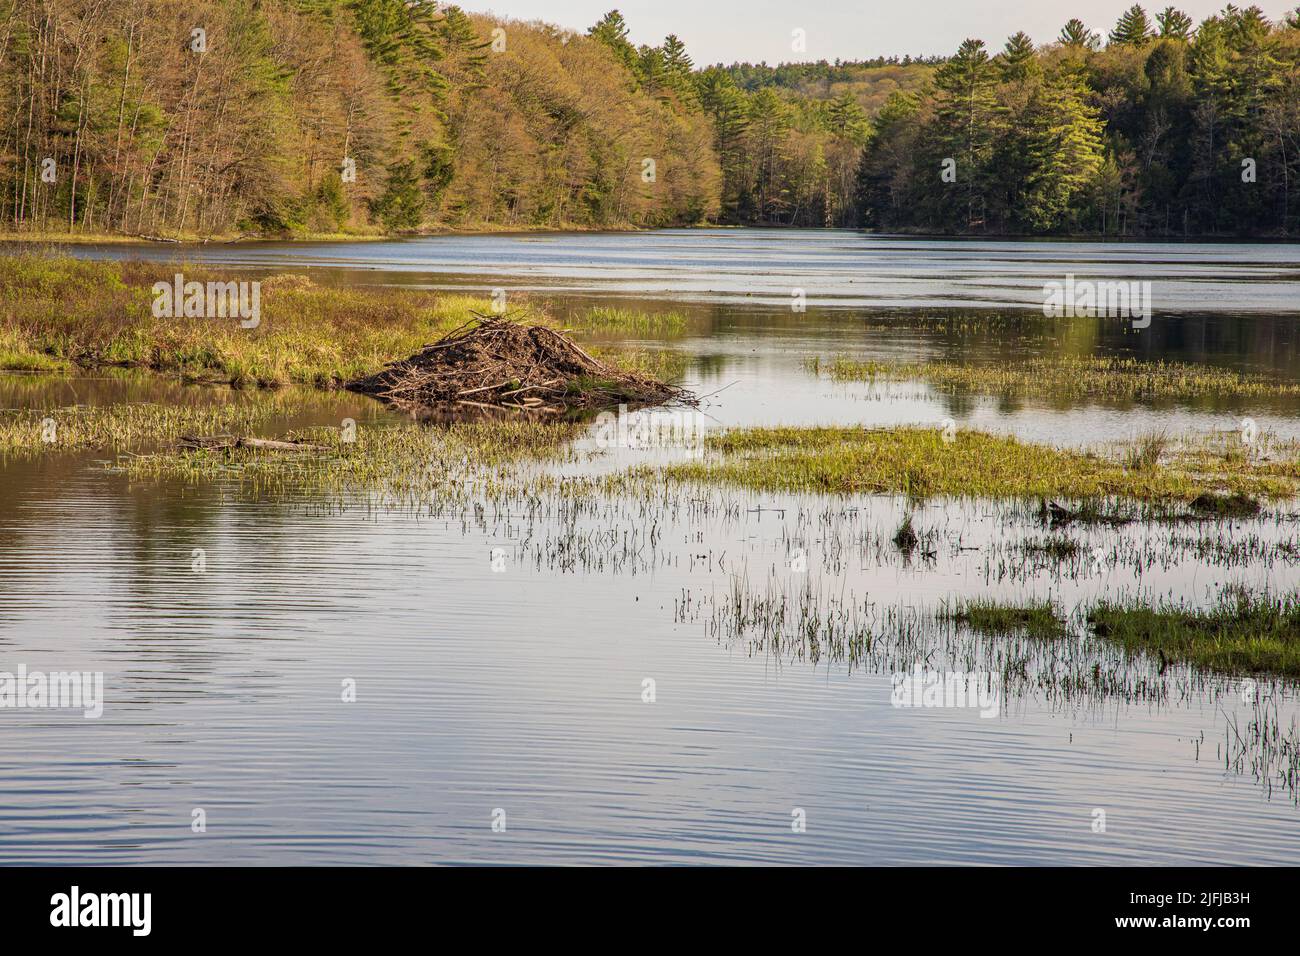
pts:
[499, 363]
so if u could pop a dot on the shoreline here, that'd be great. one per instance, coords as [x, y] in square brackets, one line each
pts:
[113, 239]
[492, 229]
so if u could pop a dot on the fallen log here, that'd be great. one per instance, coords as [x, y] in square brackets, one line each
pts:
[218, 442]
[272, 445]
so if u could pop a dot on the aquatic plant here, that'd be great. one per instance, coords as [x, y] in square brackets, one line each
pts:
[1244, 632]
[1039, 620]
[1070, 377]
[923, 463]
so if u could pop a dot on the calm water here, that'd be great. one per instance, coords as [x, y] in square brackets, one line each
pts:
[520, 688]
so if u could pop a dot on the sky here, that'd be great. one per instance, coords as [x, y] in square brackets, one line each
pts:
[725, 31]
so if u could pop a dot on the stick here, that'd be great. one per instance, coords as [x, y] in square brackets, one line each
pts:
[271, 445]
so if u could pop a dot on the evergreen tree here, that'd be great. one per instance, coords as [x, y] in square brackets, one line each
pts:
[1133, 28]
[768, 122]
[401, 205]
[1075, 34]
[726, 105]
[1063, 146]
[462, 43]
[611, 30]
[1017, 62]
[966, 126]
[1174, 24]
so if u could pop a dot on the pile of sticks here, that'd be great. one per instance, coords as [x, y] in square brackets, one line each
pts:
[500, 364]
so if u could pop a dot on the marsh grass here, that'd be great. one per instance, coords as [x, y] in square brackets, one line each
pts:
[919, 463]
[124, 426]
[609, 319]
[1054, 547]
[1245, 632]
[1069, 377]
[408, 461]
[60, 313]
[1146, 452]
[92, 314]
[666, 365]
[1036, 620]
[905, 538]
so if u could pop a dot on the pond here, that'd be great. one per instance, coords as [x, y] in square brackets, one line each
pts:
[542, 678]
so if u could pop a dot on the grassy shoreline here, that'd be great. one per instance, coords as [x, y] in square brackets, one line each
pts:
[63, 237]
[62, 314]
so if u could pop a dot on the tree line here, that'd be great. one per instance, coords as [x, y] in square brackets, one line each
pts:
[1166, 128]
[221, 117]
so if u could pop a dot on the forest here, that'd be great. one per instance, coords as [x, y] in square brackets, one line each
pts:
[327, 117]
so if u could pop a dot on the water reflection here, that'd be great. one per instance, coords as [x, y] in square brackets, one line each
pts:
[522, 689]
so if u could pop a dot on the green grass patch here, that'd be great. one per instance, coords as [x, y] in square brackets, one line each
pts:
[126, 426]
[93, 314]
[405, 461]
[1069, 377]
[918, 462]
[607, 319]
[1245, 632]
[1001, 619]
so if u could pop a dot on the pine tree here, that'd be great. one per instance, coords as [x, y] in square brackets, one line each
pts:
[1075, 34]
[966, 126]
[611, 30]
[768, 123]
[1017, 62]
[677, 70]
[1174, 24]
[401, 205]
[1063, 147]
[847, 118]
[1133, 28]
[675, 57]
[462, 43]
[726, 105]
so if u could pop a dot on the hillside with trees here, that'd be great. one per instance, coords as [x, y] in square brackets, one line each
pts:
[1161, 128]
[307, 117]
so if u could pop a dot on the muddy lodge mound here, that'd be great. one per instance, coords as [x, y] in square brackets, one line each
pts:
[501, 364]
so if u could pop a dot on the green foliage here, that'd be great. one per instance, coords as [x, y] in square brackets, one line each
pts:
[1134, 27]
[1179, 131]
[1075, 34]
[401, 206]
[450, 118]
